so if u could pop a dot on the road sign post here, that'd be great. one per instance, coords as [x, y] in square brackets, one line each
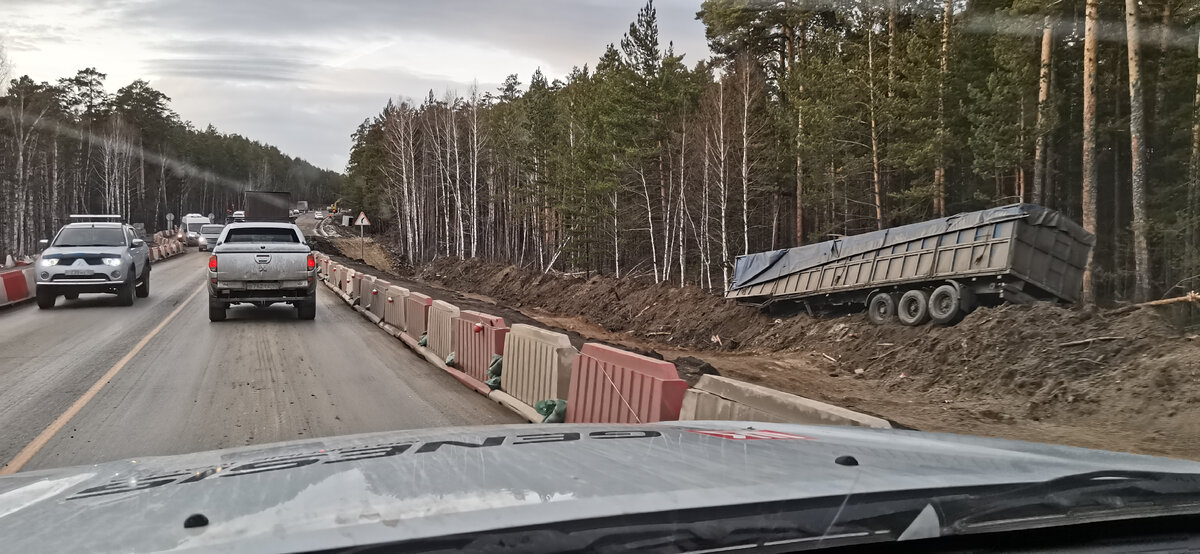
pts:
[362, 222]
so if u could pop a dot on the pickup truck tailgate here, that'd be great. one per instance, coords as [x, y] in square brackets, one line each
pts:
[263, 262]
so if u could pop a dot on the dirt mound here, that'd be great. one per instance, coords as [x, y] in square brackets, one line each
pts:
[1041, 360]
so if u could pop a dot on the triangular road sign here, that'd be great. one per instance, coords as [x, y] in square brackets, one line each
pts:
[362, 219]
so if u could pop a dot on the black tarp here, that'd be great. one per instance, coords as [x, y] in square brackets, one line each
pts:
[753, 269]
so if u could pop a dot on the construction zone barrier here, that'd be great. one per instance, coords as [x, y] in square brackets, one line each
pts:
[366, 285]
[477, 337]
[16, 285]
[335, 277]
[441, 329]
[346, 285]
[378, 304]
[716, 397]
[393, 311]
[609, 385]
[537, 366]
[416, 315]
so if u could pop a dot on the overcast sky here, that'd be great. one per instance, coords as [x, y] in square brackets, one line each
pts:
[302, 74]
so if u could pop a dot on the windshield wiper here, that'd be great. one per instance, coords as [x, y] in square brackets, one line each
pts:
[1078, 498]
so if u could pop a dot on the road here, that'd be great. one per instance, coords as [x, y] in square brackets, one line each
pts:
[262, 376]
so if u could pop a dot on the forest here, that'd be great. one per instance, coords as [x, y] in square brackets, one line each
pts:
[73, 147]
[809, 120]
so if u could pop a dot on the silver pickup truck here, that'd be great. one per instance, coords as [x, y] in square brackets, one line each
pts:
[261, 264]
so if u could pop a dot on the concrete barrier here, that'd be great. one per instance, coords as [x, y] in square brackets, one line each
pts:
[416, 314]
[378, 305]
[16, 285]
[723, 398]
[393, 311]
[477, 337]
[347, 282]
[537, 366]
[441, 328]
[366, 284]
[609, 385]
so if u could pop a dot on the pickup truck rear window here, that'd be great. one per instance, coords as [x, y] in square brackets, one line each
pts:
[258, 235]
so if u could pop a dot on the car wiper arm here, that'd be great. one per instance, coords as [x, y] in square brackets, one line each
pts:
[1082, 494]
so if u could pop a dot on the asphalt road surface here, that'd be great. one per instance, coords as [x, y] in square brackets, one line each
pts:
[177, 383]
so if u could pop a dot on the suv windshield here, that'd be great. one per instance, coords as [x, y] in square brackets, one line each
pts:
[266, 234]
[90, 236]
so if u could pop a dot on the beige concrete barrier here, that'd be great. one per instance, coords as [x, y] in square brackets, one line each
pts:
[537, 366]
[723, 398]
[366, 284]
[379, 304]
[348, 281]
[441, 328]
[394, 312]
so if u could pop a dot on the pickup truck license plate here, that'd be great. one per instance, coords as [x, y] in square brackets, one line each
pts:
[79, 272]
[262, 285]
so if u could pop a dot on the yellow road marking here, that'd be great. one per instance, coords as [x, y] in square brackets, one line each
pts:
[34, 446]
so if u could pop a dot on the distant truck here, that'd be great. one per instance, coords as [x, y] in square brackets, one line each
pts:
[301, 206]
[268, 206]
[189, 228]
[935, 270]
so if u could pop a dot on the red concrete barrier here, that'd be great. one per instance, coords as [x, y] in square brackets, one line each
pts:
[16, 285]
[477, 337]
[614, 386]
[416, 314]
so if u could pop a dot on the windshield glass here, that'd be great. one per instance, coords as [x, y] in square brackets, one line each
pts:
[90, 236]
[255, 235]
[962, 236]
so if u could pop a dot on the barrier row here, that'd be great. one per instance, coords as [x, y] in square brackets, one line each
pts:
[16, 285]
[523, 366]
[165, 249]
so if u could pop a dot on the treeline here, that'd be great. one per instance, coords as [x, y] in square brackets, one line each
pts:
[811, 120]
[73, 147]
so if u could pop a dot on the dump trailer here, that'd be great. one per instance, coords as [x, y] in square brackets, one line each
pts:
[268, 206]
[935, 270]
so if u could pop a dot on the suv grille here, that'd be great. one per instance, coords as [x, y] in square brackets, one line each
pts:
[89, 259]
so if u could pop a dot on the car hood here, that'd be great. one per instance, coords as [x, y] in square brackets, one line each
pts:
[364, 489]
[57, 251]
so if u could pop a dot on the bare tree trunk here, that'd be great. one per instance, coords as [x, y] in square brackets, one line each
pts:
[1164, 42]
[704, 239]
[875, 175]
[1138, 162]
[1193, 206]
[722, 183]
[746, 158]
[1043, 106]
[939, 174]
[1090, 169]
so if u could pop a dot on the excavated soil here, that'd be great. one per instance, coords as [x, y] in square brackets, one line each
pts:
[1119, 380]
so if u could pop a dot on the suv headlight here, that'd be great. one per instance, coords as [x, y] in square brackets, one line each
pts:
[47, 262]
[115, 262]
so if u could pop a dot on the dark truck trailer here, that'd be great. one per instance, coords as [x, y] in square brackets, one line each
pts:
[268, 206]
[939, 269]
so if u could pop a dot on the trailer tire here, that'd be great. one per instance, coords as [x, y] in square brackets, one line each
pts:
[946, 305]
[913, 308]
[881, 308]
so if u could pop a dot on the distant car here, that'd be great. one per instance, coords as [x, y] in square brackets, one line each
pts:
[318, 214]
[209, 234]
[93, 256]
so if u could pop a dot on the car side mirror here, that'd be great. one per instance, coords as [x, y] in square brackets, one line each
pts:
[138, 243]
[44, 243]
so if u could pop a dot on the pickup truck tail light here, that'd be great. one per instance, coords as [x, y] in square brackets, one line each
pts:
[212, 262]
[312, 262]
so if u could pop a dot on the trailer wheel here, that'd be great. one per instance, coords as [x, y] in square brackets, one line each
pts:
[945, 305]
[913, 308]
[881, 308]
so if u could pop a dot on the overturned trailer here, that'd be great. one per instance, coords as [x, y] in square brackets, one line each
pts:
[935, 270]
